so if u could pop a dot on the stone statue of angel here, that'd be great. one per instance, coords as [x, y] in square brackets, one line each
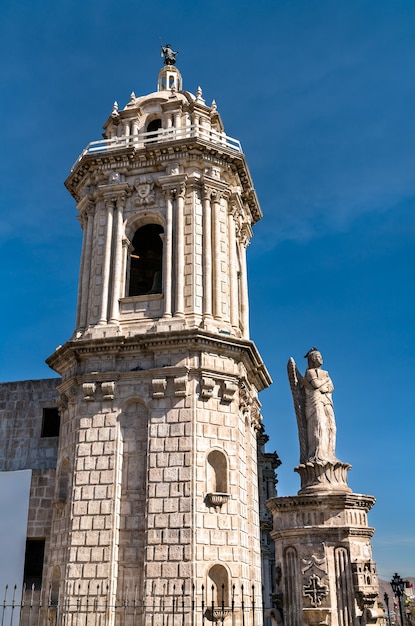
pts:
[312, 395]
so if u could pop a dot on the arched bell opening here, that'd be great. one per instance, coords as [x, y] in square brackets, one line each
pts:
[146, 261]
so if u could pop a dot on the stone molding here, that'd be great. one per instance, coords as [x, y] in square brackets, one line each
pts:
[78, 350]
[216, 499]
[328, 501]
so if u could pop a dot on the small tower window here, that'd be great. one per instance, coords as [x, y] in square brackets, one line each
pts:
[50, 422]
[146, 261]
[33, 563]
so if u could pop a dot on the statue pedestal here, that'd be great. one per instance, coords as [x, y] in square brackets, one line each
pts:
[323, 476]
[325, 572]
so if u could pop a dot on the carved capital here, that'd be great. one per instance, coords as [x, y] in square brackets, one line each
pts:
[181, 190]
[110, 201]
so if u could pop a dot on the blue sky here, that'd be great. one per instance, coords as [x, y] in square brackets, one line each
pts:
[322, 97]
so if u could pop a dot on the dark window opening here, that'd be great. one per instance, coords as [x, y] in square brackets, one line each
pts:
[33, 563]
[51, 422]
[153, 127]
[146, 261]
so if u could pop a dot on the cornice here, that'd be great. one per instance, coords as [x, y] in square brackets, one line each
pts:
[341, 532]
[332, 501]
[156, 154]
[193, 339]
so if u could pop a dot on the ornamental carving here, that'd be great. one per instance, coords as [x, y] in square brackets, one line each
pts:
[228, 390]
[108, 390]
[315, 590]
[207, 385]
[89, 390]
[114, 178]
[314, 562]
[180, 384]
[159, 386]
[144, 186]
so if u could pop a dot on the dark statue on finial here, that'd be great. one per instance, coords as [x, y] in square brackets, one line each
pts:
[168, 54]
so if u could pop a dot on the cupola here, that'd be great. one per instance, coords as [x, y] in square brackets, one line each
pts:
[169, 76]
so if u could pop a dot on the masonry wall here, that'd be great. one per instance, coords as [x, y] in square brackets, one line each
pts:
[21, 412]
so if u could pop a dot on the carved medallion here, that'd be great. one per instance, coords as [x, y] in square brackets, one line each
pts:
[144, 187]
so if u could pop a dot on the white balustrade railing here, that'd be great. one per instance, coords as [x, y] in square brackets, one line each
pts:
[159, 136]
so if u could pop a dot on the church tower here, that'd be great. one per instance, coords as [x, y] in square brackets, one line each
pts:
[157, 501]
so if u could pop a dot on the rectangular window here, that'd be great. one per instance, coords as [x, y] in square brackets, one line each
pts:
[33, 563]
[51, 422]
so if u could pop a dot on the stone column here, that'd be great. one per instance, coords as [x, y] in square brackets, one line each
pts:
[126, 246]
[167, 254]
[216, 254]
[179, 265]
[85, 270]
[117, 264]
[106, 263]
[244, 287]
[207, 253]
[233, 277]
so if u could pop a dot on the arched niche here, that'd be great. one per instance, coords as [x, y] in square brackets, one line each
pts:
[218, 592]
[54, 587]
[216, 472]
[62, 491]
[216, 479]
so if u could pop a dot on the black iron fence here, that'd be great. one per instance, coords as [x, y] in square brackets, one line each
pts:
[236, 606]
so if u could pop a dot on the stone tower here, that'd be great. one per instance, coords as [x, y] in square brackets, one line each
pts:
[156, 503]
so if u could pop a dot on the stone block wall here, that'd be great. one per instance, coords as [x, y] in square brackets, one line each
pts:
[21, 414]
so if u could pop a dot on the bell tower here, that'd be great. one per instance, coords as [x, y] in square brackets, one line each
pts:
[157, 502]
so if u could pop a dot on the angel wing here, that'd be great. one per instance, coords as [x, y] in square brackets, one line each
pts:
[297, 391]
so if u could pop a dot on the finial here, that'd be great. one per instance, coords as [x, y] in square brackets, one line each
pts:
[213, 106]
[115, 109]
[168, 54]
[132, 96]
[199, 95]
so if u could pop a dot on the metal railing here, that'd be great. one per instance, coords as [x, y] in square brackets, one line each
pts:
[183, 606]
[160, 136]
